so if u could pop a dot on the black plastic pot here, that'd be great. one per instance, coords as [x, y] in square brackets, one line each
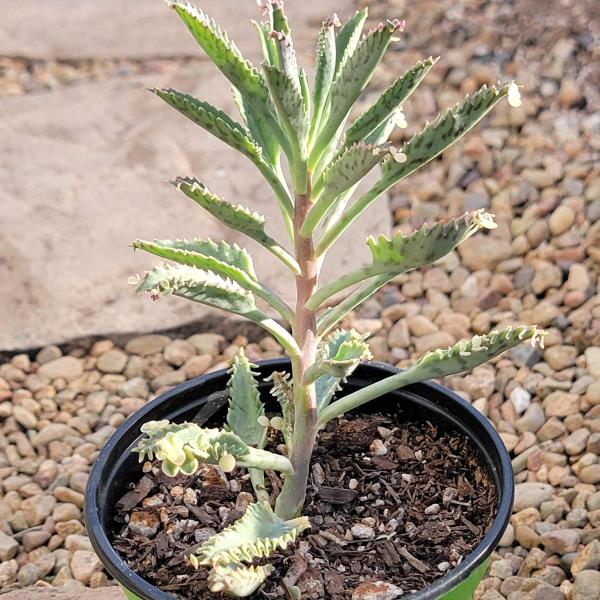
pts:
[204, 400]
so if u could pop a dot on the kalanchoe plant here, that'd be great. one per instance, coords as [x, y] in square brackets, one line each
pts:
[281, 118]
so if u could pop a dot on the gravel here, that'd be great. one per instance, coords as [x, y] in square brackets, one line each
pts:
[536, 168]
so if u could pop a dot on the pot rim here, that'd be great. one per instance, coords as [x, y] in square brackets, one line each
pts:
[128, 578]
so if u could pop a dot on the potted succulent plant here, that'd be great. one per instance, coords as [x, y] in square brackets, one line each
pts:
[261, 423]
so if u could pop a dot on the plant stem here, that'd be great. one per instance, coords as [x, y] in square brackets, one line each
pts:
[291, 500]
[366, 394]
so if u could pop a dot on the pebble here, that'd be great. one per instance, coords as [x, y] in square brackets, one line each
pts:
[207, 343]
[178, 352]
[560, 357]
[561, 219]
[521, 399]
[145, 345]
[592, 359]
[376, 590]
[362, 532]
[8, 547]
[83, 565]
[586, 586]
[8, 572]
[531, 495]
[112, 361]
[65, 367]
[587, 558]
[561, 541]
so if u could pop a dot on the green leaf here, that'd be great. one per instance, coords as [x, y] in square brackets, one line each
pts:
[340, 346]
[215, 121]
[267, 44]
[348, 37]
[458, 358]
[258, 129]
[427, 244]
[257, 534]
[288, 100]
[325, 70]
[350, 81]
[222, 51]
[197, 285]
[389, 102]
[466, 355]
[341, 175]
[236, 579]
[423, 147]
[234, 216]
[245, 407]
[445, 130]
[283, 391]
[222, 258]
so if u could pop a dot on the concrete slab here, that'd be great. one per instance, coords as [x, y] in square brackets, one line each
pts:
[70, 592]
[82, 175]
[134, 29]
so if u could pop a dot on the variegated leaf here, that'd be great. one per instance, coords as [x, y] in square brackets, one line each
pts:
[182, 447]
[222, 258]
[351, 79]
[334, 348]
[214, 121]
[348, 37]
[447, 128]
[288, 100]
[235, 216]
[257, 534]
[389, 102]
[258, 129]
[427, 244]
[235, 579]
[197, 285]
[345, 172]
[468, 354]
[245, 406]
[325, 70]
[222, 51]
[283, 391]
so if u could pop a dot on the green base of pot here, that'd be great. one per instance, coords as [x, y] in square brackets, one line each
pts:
[463, 591]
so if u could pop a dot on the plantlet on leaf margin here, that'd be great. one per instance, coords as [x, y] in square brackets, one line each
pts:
[281, 118]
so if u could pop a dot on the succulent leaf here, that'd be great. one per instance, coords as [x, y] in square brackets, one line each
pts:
[197, 285]
[234, 216]
[182, 447]
[257, 534]
[468, 354]
[259, 131]
[236, 579]
[347, 349]
[325, 69]
[283, 391]
[446, 129]
[427, 244]
[221, 50]
[245, 407]
[289, 102]
[215, 121]
[222, 258]
[341, 175]
[351, 79]
[389, 102]
[348, 37]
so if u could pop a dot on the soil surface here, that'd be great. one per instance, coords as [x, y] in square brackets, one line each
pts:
[399, 504]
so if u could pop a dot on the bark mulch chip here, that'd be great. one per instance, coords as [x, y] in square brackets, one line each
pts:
[405, 516]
